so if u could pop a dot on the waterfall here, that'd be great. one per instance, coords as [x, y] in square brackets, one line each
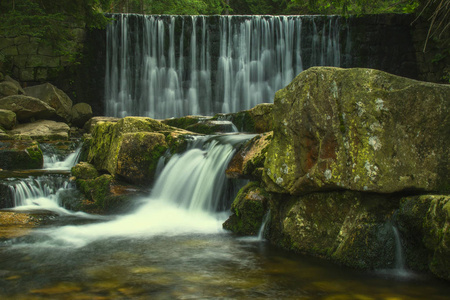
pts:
[172, 66]
[265, 220]
[190, 196]
[51, 162]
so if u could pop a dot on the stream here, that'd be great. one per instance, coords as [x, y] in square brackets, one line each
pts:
[173, 247]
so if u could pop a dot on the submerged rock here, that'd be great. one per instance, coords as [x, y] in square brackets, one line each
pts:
[361, 130]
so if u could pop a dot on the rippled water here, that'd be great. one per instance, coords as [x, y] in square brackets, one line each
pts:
[188, 266]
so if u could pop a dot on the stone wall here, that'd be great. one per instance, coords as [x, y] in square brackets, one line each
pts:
[33, 60]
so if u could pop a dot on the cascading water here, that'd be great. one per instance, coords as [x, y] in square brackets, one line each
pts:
[190, 196]
[43, 192]
[167, 66]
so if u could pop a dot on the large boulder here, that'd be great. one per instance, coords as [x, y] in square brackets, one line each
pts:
[81, 113]
[424, 224]
[27, 108]
[361, 130]
[7, 119]
[7, 88]
[351, 228]
[42, 130]
[17, 85]
[54, 97]
[130, 148]
[20, 155]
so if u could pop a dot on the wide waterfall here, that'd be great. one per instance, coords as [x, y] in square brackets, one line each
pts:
[172, 66]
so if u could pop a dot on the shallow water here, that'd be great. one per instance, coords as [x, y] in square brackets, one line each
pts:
[186, 266]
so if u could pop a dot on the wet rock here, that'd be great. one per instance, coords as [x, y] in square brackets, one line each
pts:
[55, 98]
[42, 130]
[20, 155]
[424, 224]
[361, 130]
[84, 170]
[351, 228]
[248, 210]
[212, 127]
[131, 147]
[248, 162]
[256, 120]
[7, 119]
[81, 113]
[27, 108]
[8, 88]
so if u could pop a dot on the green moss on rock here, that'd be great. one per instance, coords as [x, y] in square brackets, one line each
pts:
[248, 210]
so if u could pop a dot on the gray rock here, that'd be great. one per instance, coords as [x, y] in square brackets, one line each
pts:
[81, 113]
[361, 130]
[7, 119]
[27, 108]
[42, 130]
[54, 97]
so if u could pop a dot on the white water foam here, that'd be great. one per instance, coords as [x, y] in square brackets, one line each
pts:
[185, 199]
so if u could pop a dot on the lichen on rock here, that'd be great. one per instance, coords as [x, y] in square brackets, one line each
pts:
[359, 129]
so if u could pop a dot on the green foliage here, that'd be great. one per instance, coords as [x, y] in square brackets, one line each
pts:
[352, 7]
[171, 7]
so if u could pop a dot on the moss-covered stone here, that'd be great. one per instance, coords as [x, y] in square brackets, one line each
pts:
[359, 129]
[248, 210]
[7, 119]
[130, 148]
[20, 155]
[138, 156]
[424, 223]
[248, 162]
[84, 170]
[350, 228]
[256, 120]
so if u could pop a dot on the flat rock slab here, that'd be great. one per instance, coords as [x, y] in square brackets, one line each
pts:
[42, 130]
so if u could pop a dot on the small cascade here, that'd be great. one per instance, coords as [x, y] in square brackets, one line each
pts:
[173, 66]
[191, 196]
[399, 260]
[51, 162]
[264, 223]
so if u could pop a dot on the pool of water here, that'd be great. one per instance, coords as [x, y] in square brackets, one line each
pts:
[202, 265]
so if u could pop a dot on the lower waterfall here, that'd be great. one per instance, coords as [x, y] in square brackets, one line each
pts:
[190, 196]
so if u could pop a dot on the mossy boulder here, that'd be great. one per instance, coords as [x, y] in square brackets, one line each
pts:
[131, 147]
[84, 170]
[7, 119]
[248, 162]
[351, 228]
[27, 108]
[20, 155]
[424, 223]
[106, 195]
[8, 88]
[248, 210]
[361, 130]
[212, 127]
[138, 156]
[258, 119]
[55, 98]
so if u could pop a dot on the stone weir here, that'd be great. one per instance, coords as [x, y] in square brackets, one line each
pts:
[172, 66]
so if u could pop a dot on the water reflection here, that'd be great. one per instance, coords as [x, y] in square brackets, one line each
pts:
[190, 266]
